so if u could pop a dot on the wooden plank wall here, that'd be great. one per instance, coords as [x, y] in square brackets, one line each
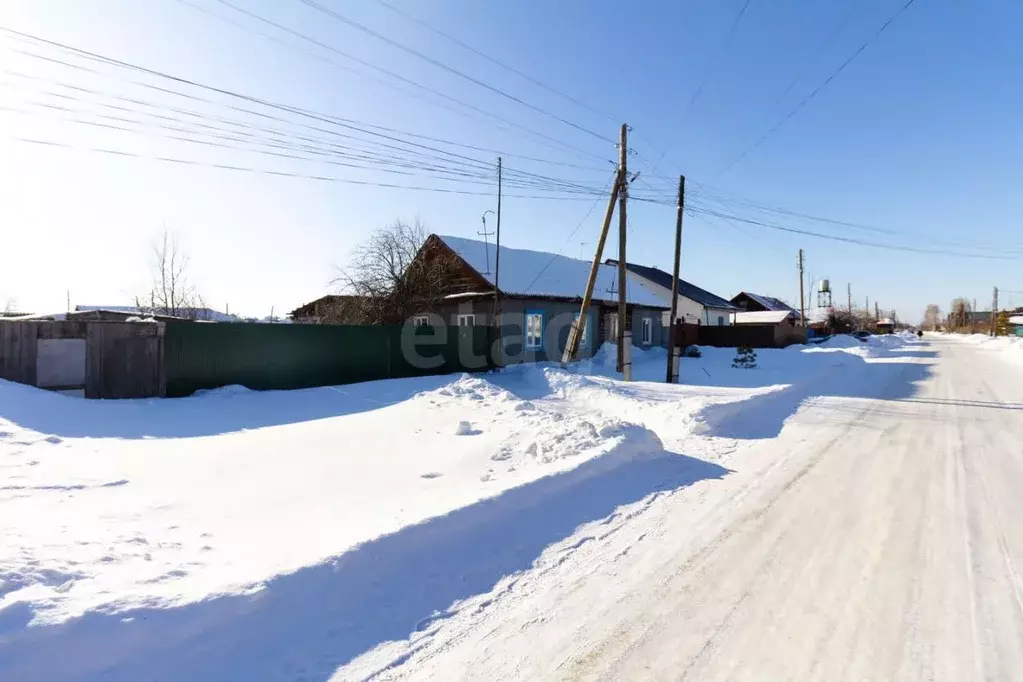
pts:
[18, 352]
[124, 360]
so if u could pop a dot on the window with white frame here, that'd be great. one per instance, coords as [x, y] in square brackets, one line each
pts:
[421, 321]
[648, 331]
[534, 330]
[466, 320]
[584, 341]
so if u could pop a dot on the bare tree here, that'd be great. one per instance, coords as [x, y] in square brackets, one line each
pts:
[171, 292]
[390, 277]
[960, 315]
[842, 321]
[932, 316]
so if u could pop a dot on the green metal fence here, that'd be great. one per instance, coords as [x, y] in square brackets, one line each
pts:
[279, 356]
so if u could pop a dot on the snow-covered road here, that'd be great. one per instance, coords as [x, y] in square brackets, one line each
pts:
[876, 538]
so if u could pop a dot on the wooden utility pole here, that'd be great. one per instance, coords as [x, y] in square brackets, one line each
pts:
[994, 314]
[673, 351]
[877, 312]
[624, 328]
[802, 303]
[848, 289]
[497, 273]
[579, 325]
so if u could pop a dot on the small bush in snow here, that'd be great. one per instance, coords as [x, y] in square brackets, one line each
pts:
[745, 358]
[692, 352]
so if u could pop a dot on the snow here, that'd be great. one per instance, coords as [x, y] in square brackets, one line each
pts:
[762, 317]
[1009, 348]
[35, 317]
[337, 531]
[539, 273]
[207, 314]
[770, 303]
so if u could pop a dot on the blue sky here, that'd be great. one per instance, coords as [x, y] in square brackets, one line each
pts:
[918, 136]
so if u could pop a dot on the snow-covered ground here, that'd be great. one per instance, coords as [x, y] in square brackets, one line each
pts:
[1009, 347]
[302, 534]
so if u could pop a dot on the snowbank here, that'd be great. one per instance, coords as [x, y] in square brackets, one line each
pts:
[111, 524]
[1010, 347]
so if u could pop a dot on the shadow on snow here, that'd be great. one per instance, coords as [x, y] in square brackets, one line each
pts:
[893, 376]
[306, 624]
[214, 412]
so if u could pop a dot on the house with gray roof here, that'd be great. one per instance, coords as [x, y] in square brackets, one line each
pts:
[540, 296]
[754, 303]
[694, 305]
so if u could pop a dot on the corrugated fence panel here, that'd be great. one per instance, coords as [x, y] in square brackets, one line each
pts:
[733, 336]
[273, 356]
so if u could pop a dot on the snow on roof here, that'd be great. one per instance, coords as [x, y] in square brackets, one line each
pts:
[537, 273]
[763, 317]
[886, 320]
[770, 302]
[35, 317]
[1016, 319]
[817, 315]
[204, 313]
[685, 289]
[469, 294]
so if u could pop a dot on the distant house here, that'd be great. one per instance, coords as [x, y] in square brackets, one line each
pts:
[695, 305]
[326, 309]
[540, 296]
[1016, 324]
[885, 325]
[980, 319]
[752, 303]
[114, 311]
[766, 318]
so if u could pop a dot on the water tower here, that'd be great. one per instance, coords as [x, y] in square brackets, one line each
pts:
[824, 294]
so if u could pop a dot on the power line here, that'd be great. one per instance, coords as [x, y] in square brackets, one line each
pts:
[725, 44]
[439, 64]
[326, 60]
[852, 240]
[326, 118]
[248, 169]
[392, 74]
[443, 174]
[492, 60]
[730, 200]
[785, 119]
[449, 174]
[852, 11]
[571, 234]
[706, 79]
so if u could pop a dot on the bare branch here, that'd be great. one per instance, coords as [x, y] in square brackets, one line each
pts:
[388, 280]
[171, 292]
